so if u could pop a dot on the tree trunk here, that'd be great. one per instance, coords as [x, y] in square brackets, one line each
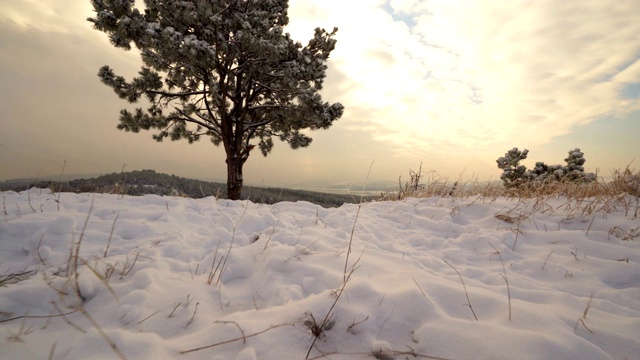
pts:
[234, 176]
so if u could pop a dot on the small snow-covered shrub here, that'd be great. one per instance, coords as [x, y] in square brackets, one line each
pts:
[514, 174]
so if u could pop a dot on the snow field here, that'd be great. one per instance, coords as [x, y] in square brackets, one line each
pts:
[246, 281]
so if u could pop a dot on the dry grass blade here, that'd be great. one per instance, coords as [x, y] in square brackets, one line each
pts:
[340, 291]
[414, 280]
[76, 253]
[465, 291]
[14, 278]
[214, 267]
[506, 218]
[601, 195]
[38, 251]
[47, 317]
[504, 276]
[102, 279]
[273, 230]
[147, 318]
[233, 236]
[22, 331]
[104, 335]
[113, 226]
[381, 354]
[547, 259]
[69, 322]
[347, 273]
[192, 316]
[126, 270]
[584, 316]
[60, 184]
[243, 338]
[52, 350]
[586, 310]
[356, 323]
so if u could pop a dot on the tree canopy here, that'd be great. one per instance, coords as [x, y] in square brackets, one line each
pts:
[223, 69]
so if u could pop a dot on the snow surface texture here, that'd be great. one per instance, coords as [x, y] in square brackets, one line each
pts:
[155, 296]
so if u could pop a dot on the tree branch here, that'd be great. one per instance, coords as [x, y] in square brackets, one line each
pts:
[164, 93]
[188, 118]
[265, 106]
[253, 126]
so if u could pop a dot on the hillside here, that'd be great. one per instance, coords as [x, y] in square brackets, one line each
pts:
[146, 182]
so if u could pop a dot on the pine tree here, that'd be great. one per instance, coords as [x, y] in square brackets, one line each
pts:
[514, 174]
[222, 69]
[512, 171]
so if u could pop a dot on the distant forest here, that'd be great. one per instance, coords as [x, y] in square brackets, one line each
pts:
[144, 182]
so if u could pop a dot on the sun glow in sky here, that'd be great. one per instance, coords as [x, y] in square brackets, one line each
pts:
[451, 84]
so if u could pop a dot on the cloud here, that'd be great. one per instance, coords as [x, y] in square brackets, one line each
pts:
[56, 109]
[481, 72]
[47, 15]
[453, 84]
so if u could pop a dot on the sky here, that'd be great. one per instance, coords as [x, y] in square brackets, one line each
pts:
[451, 85]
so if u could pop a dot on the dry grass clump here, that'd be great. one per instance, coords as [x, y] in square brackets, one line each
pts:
[430, 184]
[620, 190]
[626, 181]
[621, 182]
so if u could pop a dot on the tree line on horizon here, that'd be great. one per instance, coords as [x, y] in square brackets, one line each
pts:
[145, 182]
